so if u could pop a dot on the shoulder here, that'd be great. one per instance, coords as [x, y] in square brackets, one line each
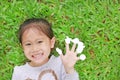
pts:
[20, 68]
[55, 62]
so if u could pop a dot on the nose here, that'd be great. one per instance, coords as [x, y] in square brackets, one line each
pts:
[35, 48]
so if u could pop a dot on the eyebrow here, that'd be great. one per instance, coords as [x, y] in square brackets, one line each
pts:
[40, 39]
[23, 42]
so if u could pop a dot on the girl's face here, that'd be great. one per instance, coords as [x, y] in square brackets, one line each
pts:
[37, 46]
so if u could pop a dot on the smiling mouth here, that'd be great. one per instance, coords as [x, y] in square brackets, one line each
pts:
[37, 56]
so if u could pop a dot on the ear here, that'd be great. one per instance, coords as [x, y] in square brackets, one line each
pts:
[52, 42]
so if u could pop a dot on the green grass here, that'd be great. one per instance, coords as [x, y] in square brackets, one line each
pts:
[95, 22]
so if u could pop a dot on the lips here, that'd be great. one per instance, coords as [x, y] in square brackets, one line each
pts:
[37, 56]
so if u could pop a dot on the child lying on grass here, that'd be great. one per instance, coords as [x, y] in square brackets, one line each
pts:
[37, 39]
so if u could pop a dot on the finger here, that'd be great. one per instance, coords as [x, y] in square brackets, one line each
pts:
[78, 58]
[61, 56]
[73, 47]
[67, 47]
[75, 54]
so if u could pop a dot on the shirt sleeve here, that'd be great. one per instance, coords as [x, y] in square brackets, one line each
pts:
[66, 76]
[72, 76]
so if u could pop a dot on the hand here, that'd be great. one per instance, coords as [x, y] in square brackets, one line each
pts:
[69, 59]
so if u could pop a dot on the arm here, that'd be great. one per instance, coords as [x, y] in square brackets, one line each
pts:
[69, 76]
[69, 60]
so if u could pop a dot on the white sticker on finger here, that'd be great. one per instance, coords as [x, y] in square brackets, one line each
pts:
[67, 40]
[75, 40]
[80, 47]
[82, 57]
[59, 51]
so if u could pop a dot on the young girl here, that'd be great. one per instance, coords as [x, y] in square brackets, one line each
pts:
[37, 40]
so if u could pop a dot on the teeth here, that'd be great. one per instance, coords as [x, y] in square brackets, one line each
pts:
[37, 56]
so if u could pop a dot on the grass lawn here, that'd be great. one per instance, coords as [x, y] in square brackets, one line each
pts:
[94, 22]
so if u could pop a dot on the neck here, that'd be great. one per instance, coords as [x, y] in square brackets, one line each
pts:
[34, 64]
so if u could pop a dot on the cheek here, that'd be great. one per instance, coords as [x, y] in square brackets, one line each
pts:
[26, 50]
[27, 53]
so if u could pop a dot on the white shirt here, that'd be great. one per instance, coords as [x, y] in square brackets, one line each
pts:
[54, 65]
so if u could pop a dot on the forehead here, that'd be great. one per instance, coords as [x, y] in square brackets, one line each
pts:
[33, 26]
[33, 34]
[32, 31]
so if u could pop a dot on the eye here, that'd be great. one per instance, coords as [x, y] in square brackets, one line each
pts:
[39, 41]
[27, 44]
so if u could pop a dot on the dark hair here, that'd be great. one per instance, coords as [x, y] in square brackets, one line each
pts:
[39, 23]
